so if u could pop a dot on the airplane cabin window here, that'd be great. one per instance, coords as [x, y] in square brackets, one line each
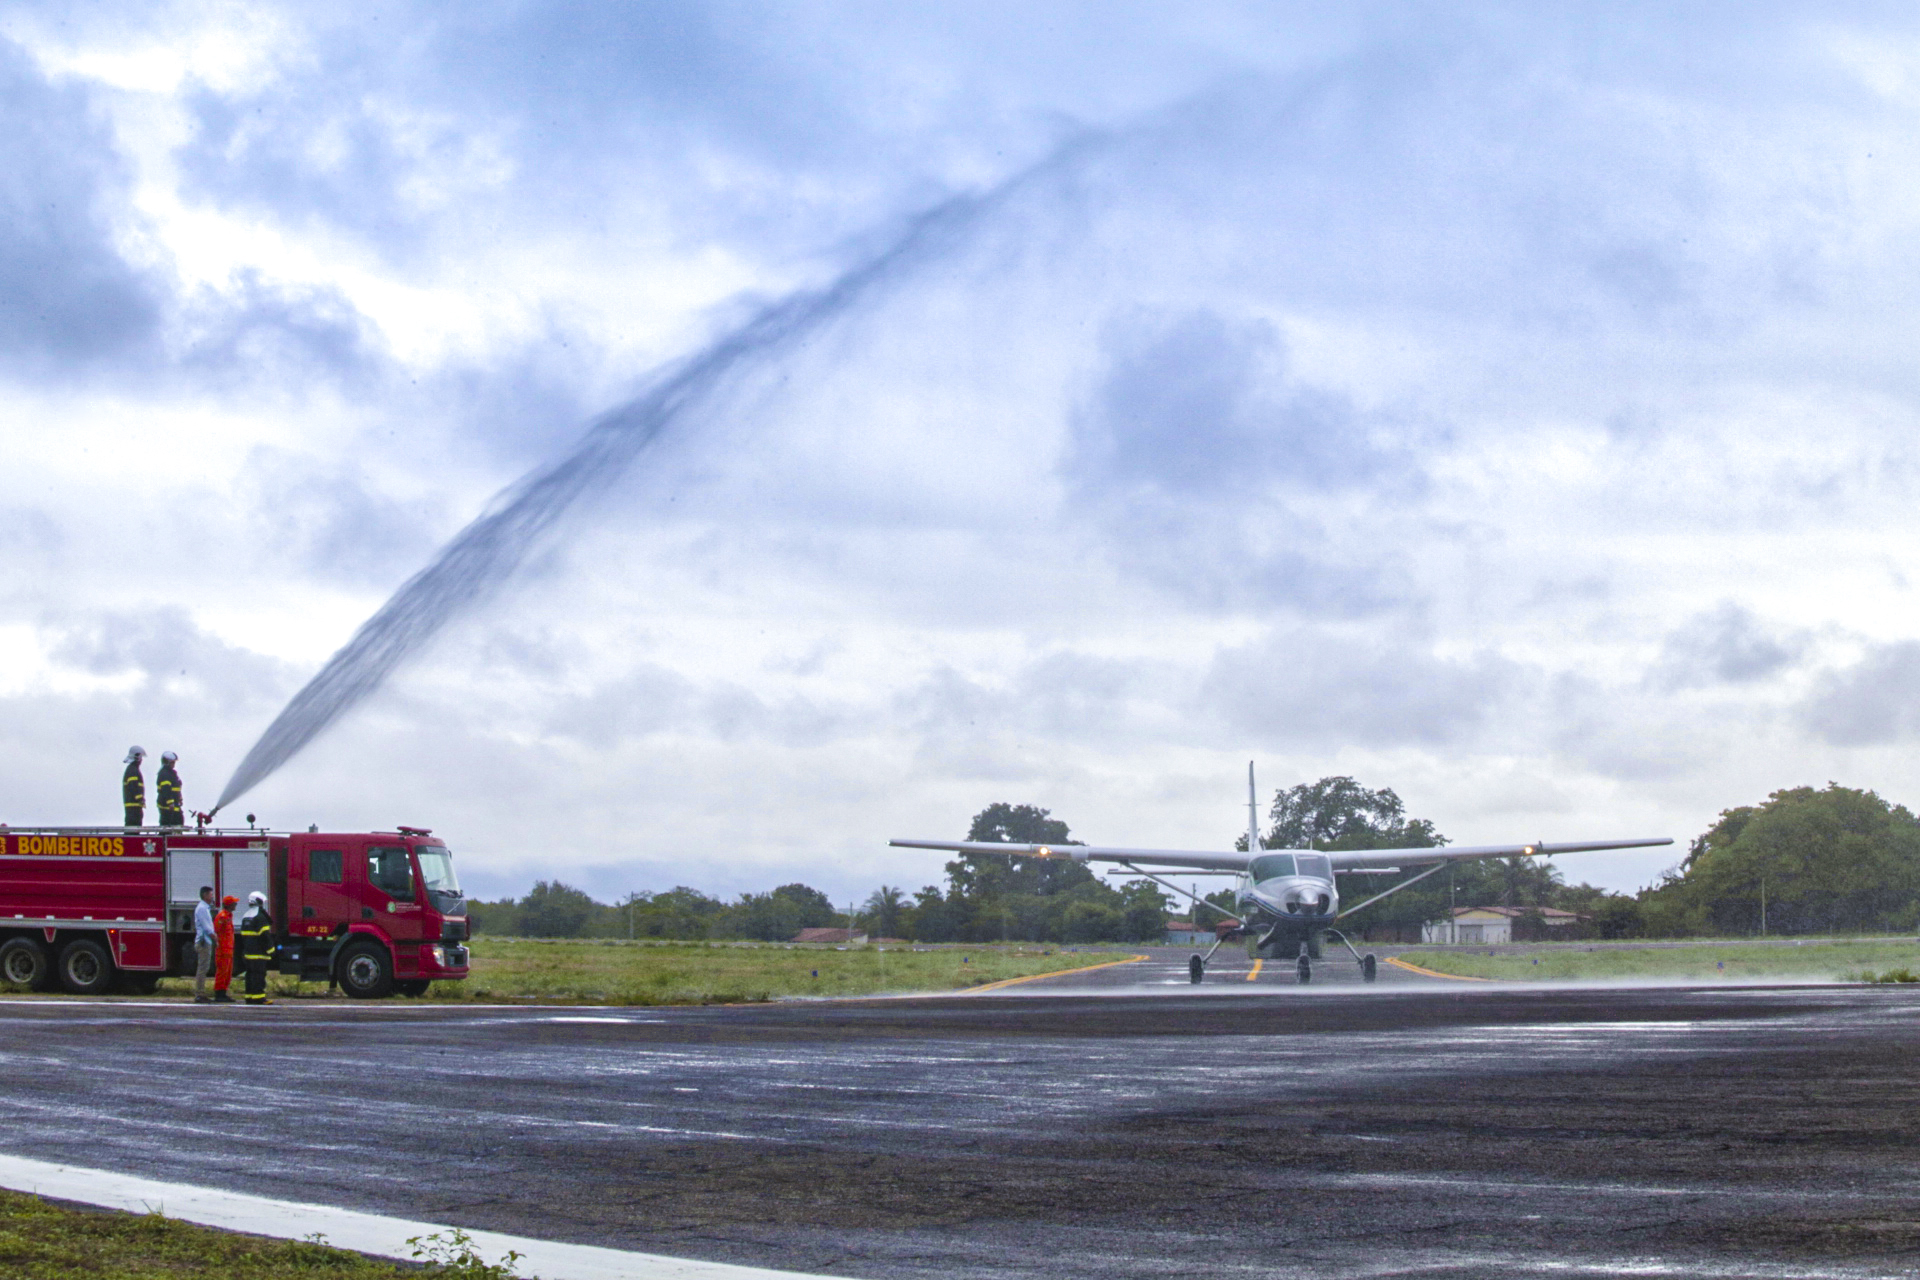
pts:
[1269, 865]
[1314, 864]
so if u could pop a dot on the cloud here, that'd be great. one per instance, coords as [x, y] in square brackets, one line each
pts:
[170, 658]
[1203, 461]
[1198, 408]
[1725, 646]
[68, 299]
[1303, 408]
[1871, 703]
[330, 522]
[271, 335]
[1324, 689]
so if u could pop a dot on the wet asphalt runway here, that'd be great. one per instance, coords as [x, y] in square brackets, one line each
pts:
[1118, 1123]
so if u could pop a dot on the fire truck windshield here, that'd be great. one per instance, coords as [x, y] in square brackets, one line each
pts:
[443, 887]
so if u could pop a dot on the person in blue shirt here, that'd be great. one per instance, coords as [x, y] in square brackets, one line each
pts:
[202, 944]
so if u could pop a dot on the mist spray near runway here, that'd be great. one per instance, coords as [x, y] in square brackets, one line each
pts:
[488, 551]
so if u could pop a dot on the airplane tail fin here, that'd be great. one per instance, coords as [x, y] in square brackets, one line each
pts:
[1253, 815]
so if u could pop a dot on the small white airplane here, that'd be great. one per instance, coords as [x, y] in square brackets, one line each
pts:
[1287, 899]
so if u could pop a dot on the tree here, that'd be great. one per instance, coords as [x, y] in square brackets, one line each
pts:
[502, 918]
[1338, 813]
[554, 910]
[1820, 860]
[1143, 907]
[778, 915]
[989, 898]
[935, 918]
[1618, 916]
[885, 912]
[987, 877]
[1092, 922]
[1207, 917]
[680, 912]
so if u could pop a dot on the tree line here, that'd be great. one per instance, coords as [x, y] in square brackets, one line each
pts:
[1805, 861]
[985, 899]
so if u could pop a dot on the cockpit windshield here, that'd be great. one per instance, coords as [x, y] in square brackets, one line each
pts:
[443, 886]
[1314, 864]
[1270, 865]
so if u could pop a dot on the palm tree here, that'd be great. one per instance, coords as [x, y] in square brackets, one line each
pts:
[882, 911]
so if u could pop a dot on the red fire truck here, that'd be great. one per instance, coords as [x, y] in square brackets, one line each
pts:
[92, 909]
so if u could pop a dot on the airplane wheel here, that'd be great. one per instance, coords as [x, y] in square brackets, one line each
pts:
[1306, 971]
[1369, 968]
[1196, 969]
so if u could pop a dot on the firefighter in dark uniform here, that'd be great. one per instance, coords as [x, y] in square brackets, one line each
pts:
[166, 792]
[256, 946]
[133, 788]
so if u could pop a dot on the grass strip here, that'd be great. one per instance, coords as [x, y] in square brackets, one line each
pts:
[44, 1241]
[1825, 960]
[618, 972]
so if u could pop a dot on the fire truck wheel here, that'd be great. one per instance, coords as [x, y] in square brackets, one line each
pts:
[85, 968]
[25, 963]
[412, 988]
[366, 971]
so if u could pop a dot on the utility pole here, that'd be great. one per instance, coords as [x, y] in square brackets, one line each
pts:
[1763, 906]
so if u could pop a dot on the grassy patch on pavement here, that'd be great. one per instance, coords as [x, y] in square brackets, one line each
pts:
[1822, 959]
[42, 1241]
[597, 971]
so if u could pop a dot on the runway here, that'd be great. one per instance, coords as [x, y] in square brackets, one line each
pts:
[1119, 1123]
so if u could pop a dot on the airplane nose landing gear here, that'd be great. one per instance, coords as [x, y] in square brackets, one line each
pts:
[1305, 967]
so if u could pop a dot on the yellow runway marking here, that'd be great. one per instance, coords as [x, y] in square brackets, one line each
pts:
[1398, 963]
[1255, 971]
[1035, 977]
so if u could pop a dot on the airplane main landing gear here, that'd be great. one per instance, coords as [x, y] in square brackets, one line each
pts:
[1197, 965]
[1305, 967]
[1369, 967]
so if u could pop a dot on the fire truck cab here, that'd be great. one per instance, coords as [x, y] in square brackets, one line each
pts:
[92, 909]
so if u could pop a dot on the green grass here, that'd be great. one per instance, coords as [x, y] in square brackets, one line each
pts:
[42, 1241]
[620, 972]
[610, 971]
[1822, 959]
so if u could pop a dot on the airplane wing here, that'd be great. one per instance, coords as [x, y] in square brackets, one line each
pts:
[1193, 858]
[1344, 860]
[1382, 859]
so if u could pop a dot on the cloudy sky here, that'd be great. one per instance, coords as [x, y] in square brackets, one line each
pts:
[1512, 406]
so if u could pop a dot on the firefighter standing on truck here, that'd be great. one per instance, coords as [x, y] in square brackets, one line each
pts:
[223, 949]
[133, 788]
[166, 791]
[256, 946]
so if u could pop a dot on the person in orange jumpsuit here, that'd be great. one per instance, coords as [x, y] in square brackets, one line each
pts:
[223, 950]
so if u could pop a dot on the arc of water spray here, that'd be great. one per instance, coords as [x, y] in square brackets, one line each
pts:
[484, 554]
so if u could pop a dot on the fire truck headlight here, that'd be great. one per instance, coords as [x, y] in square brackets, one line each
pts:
[439, 955]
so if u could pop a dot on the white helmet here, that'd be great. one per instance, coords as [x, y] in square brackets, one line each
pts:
[169, 756]
[257, 896]
[134, 753]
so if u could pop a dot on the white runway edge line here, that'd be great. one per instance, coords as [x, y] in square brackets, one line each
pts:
[347, 1229]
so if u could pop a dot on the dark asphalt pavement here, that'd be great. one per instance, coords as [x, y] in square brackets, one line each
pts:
[1119, 1123]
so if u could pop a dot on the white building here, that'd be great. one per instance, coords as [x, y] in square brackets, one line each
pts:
[1470, 926]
